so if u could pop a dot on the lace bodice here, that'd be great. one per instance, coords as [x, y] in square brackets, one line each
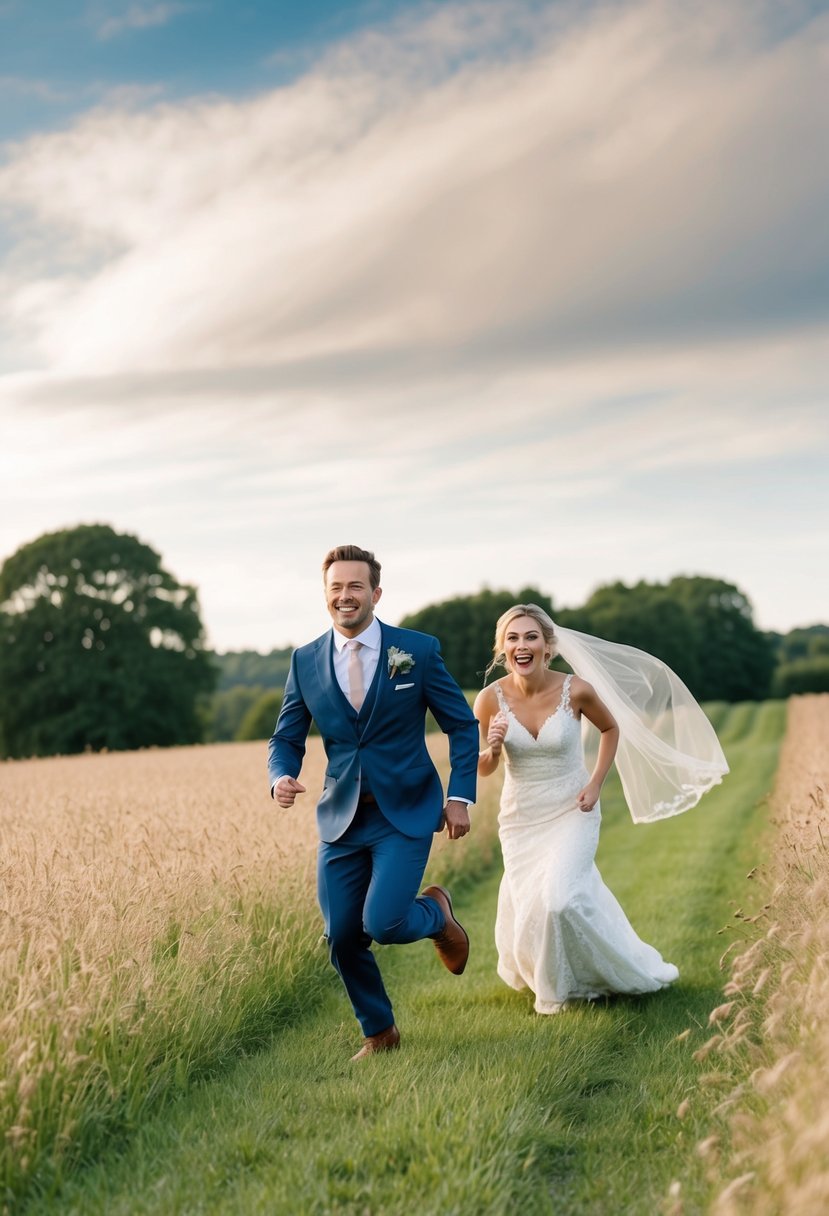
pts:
[553, 759]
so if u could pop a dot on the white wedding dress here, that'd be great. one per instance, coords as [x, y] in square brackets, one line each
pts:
[559, 930]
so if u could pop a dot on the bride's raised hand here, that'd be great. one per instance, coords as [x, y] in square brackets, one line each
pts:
[497, 730]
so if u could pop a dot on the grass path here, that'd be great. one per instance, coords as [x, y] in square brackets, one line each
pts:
[488, 1107]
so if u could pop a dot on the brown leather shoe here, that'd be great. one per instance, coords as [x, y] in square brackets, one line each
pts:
[452, 943]
[386, 1040]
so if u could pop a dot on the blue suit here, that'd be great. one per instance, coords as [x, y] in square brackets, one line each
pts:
[372, 856]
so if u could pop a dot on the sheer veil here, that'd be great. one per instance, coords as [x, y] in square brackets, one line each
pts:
[669, 754]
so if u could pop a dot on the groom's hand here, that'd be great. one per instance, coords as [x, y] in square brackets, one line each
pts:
[286, 789]
[456, 816]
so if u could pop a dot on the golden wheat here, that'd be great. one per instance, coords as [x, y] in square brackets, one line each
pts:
[100, 852]
[103, 858]
[148, 901]
[773, 1033]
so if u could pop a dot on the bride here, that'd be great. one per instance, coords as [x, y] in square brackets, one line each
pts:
[559, 930]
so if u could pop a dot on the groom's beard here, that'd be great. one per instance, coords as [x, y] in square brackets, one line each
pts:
[353, 621]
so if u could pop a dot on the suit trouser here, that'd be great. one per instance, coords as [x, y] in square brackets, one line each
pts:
[368, 882]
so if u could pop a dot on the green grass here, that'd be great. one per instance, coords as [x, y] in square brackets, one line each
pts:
[191, 1021]
[488, 1107]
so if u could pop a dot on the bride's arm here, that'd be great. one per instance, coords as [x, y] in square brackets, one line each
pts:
[485, 710]
[584, 699]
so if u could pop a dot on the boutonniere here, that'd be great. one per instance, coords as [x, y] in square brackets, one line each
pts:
[400, 662]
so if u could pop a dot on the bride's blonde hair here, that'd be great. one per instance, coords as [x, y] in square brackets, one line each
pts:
[542, 619]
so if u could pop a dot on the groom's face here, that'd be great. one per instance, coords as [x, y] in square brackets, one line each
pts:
[349, 596]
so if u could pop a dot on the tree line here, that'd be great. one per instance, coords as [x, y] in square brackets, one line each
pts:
[102, 648]
[701, 627]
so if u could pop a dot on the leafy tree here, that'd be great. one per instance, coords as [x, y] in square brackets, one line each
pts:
[252, 669]
[227, 709]
[100, 647]
[646, 615]
[701, 627]
[736, 659]
[811, 642]
[801, 675]
[465, 626]
[259, 721]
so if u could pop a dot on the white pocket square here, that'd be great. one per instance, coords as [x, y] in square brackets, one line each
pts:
[397, 687]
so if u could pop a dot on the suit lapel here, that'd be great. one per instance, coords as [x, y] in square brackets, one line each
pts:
[381, 684]
[328, 681]
[373, 692]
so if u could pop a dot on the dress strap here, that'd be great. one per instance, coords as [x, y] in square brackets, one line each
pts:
[565, 695]
[502, 704]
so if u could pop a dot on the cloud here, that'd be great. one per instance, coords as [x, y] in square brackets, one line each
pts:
[636, 173]
[23, 86]
[139, 16]
[635, 466]
[512, 293]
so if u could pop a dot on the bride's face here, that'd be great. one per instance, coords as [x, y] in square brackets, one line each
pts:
[524, 646]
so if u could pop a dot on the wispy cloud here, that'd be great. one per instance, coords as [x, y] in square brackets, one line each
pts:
[637, 466]
[23, 86]
[641, 173]
[139, 16]
[544, 282]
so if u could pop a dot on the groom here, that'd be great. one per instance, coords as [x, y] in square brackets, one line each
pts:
[368, 686]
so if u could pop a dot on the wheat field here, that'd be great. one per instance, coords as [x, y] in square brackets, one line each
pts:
[770, 1034]
[101, 854]
[130, 884]
[158, 915]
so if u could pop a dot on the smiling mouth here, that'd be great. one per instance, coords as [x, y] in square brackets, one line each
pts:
[523, 659]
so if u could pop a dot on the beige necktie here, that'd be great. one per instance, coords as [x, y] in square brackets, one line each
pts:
[356, 692]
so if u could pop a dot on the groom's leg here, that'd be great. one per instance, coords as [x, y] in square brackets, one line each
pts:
[344, 871]
[392, 912]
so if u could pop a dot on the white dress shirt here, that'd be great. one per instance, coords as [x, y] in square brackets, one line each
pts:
[371, 639]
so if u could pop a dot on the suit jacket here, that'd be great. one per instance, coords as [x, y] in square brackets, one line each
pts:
[385, 741]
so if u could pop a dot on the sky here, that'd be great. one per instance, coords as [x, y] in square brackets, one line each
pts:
[511, 292]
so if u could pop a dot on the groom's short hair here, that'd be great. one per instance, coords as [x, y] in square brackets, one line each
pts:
[353, 553]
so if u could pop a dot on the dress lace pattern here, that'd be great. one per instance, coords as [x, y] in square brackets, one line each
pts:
[559, 930]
